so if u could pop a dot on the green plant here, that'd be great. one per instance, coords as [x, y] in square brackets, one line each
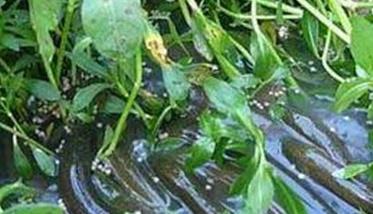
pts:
[42, 43]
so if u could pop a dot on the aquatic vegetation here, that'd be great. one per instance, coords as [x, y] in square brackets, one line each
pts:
[164, 68]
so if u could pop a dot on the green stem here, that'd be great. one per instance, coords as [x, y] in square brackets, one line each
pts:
[26, 138]
[328, 69]
[355, 5]
[336, 7]
[51, 77]
[11, 117]
[5, 65]
[259, 17]
[65, 32]
[160, 119]
[137, 107]
[123, 118]
[185, 12]
[329, 24]
[284, 7]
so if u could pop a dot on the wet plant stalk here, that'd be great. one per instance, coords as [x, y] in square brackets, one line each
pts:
[26, 138]
[324, 60]
[123, 118]
[341, 34]
[65, 32]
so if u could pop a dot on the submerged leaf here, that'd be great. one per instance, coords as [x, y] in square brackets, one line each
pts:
[351, 171]
[116, 27]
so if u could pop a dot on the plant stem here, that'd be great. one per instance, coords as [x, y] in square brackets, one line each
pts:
[11, 117]
[355, 5]
[138, 108]
[65, 32]
[284, 7]
[160, 119]
[259, 17]
[328, 69]
[337, 9]
[329, 24]
[26, 138]
[123, 118]
[51, 77]
[5, 65]
[185, 12]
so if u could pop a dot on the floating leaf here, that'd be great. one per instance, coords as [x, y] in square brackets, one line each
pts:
[21, 162]
[85, 95]
[34, 209]
[350, 91]
[351, 171]
[43, 90]
[116, 27]
[288, 200]
[362, 43]
[45, 162]
[201, 152]
[175, 82]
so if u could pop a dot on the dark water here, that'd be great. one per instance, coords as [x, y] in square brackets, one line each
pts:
[156, 182]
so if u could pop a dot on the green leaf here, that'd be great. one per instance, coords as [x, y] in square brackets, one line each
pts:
[201, 152]
[210, 39]
[41, 208]
[44, 18]
[175, 82]
[84, 61]
[113, 105]
[362, 43]
[21, 162]
[15, 188]
[350, 91]
[116, 27]
[225, 98]
[45, 162]
[241, 184]
[310, 28]
[351, 171]
[288, 200]
[43, 90]
[266, 59]
[85, 95]
[107, 139]
[260, 191]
